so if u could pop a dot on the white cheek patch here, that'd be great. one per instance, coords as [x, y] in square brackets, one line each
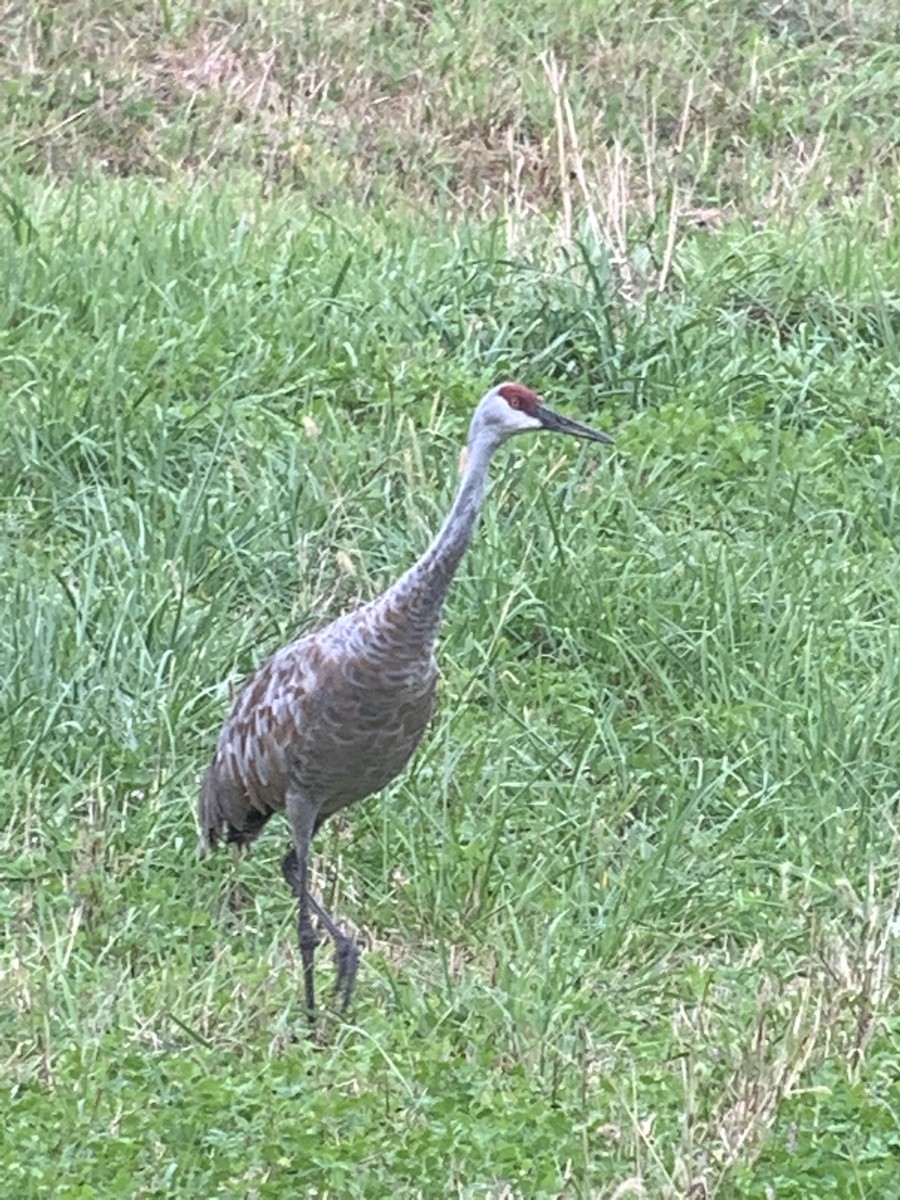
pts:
[526, 421]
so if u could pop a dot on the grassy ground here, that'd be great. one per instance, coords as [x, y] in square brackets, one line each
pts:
[631, 916]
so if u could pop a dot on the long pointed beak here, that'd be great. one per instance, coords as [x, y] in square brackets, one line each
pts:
[557, 424]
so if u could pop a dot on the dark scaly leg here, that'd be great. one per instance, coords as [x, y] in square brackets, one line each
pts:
[346, 951]
[295, 876]
[346, 954]
[304, 818]
[302, 812]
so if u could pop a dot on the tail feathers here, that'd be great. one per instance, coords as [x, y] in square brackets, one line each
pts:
[225, 813]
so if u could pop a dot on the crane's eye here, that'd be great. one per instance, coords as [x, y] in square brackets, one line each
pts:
[514, 401]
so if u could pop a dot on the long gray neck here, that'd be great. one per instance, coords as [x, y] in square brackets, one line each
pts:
[419, 594]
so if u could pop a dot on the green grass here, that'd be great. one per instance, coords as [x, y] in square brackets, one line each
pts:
[630, 917]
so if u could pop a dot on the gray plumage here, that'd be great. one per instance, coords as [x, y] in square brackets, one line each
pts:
[336, 715]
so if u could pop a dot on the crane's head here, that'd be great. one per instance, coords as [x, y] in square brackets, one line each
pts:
[511, 408]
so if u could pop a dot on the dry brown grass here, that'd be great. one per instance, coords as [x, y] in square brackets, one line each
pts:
[737, 1080]
[622, 124]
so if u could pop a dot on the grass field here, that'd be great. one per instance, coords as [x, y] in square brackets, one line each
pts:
[631, 917]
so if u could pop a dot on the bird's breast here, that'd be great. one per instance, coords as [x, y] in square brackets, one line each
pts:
[369, 721]
[323, 717]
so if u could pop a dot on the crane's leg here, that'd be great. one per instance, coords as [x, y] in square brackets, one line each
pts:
[346, 954]
[346, 951]
[295, 869]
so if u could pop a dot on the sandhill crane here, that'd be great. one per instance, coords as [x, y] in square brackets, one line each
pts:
[336, 715]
